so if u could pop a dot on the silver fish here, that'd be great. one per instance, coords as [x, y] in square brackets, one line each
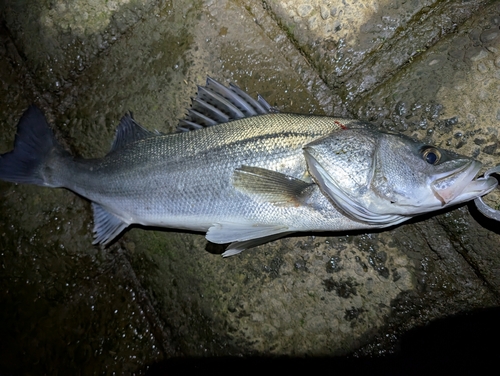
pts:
[246, 174]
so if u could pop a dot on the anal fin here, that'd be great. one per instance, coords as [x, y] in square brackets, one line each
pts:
[244, 234]
[106, 225]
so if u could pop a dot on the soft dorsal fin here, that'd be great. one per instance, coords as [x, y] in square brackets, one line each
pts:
[129, 131]
[215, 104]
[271, 186]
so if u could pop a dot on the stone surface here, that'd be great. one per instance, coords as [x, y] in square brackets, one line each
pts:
[426, 69]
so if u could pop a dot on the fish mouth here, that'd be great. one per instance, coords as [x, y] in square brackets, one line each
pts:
[459, 185]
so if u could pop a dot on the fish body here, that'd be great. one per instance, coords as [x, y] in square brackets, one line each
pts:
[249, 180]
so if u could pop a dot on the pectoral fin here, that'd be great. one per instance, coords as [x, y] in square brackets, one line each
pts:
[271, 186]
[237, 247]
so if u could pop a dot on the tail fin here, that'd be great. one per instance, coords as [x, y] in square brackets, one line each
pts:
[33, 144]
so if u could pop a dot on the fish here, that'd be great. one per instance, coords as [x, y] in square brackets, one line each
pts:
[245, 173]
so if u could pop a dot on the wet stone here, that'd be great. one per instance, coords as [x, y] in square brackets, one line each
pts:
[493, 50]
[325, 13]
[300, 265]
[333, 265]
[476, 53]
[401, 109]
[274, 268]
[433, 110]
[490, 149]
[383, 271]
[304, 10]
[456, 53]
[461, 42]
[489, 35]
[343, 289]
[313, 23]
[382, 257]
[475, 34]
[353, 313]
[360, 262]
[451, 121]
[395, 275]
[479, 141]
[482, 68]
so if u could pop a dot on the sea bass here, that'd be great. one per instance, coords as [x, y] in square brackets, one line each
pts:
[246, 174]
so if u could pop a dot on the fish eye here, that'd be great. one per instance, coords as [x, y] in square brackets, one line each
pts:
[431, 155]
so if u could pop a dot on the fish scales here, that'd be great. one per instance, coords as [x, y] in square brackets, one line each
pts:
[189, 174]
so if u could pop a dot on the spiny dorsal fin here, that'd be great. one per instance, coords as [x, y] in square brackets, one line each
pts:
[215, 104]
[270, 186]
[129, 131]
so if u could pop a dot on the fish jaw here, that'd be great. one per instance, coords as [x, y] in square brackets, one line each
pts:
[459, 185]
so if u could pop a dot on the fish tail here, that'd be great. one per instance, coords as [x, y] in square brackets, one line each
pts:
[35, 150]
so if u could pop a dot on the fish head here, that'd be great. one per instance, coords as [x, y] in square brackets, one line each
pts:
[384, 178]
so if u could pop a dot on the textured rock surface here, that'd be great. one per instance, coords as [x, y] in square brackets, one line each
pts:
[429, 69]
